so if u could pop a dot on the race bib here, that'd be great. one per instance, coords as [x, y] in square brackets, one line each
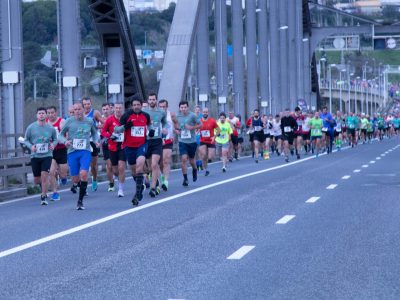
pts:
[42, 148]
[205, 133]
[338, 129]
[287, 129]
[325, 129]
[315, 132]
[351, 126]
[79, 144]
[299, 122]
[57, 131]
[120, 137]
[185, 134]
[257, 128]
[239, 131]
[222, 136]
[137, 131]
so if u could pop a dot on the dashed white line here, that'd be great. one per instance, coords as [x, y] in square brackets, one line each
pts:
[331, 186]
[357, 171]
[313, 199]
[365, 166]
[285, 219]
[383, 155]
[378, 158]
[346, 177]
[372, 162]
[241, 252]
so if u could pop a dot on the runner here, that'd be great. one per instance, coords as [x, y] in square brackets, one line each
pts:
[306, 132]
[168, 143]
[267, 135]
[223, 137]
[351, 123]
[41, 138]
[338, 130]
[233, 145]
[298, 134]
[186, 128]
[257, 127]
[364, 126]
[241, 131]
[207, 139]
[97, 121]
[250, 132]
[316, 125]
[59, 165]
[79, 130]
[106, 111]
[134, 124]
[327, 130]
[157, 128]
[288, 127]
[276, 132]
[115, 148]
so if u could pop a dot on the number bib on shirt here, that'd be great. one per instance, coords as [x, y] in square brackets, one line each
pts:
[205, 133]
[137, 131]
[315, 132]
[120, 137]
[325, 129]
[257, 128]
[79, 144]
[185, 134]
[42, 148]
[287, 129]
[351, 126]
[239, 131]
[222, 136]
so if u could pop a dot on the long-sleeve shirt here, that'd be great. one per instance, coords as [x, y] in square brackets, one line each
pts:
[79, 133]
[41, 136]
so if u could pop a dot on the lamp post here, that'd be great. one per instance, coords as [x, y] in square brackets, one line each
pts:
[349, 86]
[340, 89]
[355, 96]
[330, 85]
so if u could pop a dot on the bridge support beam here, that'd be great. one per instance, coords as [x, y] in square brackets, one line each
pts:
[115, 59]
[275, 56]
[264, 57]
[12, 79]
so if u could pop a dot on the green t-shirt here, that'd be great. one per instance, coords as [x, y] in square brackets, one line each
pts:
[41, 136]
[158, 121]
[225, 132]
[364, 123]
[316, 127]
[352, 122]
[187, 136]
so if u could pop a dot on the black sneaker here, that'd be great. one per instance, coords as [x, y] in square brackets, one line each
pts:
[291, 152]
[223, 169]
[135, 201]
[236, 156]
[256, 161]
[79, 205]
[230, 160]
[185, 182]
[74, 189]
[43, 200]
[207, 173]
[298, 156]
[287, 158]
[194, 173]
[153, 193]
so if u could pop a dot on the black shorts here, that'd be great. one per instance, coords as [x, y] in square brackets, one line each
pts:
[267, 136]
[95, 151]
[208, 145]
[306, 136]
[298, 134]
[155, 147]
[188, 149]
[40, 164]
[277, 138]
[116, 156]
[364, 131]
[251, 135]
[106, 151]
[240, 140]
[288, 137]
[60, 156]
[352, 132]
[168, 146]
[234, 139]
[259, 136]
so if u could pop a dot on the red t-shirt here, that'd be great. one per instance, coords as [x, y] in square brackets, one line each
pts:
[107, 131]
[299, 121]
[135, 136]
[249, 122]
[207, 130]
[57, 126]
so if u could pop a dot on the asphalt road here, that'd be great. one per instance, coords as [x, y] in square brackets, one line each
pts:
[316, 228]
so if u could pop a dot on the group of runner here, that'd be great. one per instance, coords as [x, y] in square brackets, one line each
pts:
[143, 134]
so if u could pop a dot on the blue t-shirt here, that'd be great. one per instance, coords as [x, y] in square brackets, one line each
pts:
[326, 118]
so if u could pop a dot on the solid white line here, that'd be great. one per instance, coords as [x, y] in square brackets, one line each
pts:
[241, 252]
[285, 219]
[132, 210]
[346, 177]
[313, 199]
[357, 171]
[331, 187]
[365, 166]
[372, 162]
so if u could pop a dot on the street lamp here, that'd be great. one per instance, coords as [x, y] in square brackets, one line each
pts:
[349, 86]
[330, 85]
[340, 89]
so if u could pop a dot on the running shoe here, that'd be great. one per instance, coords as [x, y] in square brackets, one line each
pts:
[152, 192]
[74, 189]
[43, 200]
[79, 205]
[111, 187]
[287, 158]
[164, 185]
[55, 197]
[194, 173]
[223, 169]
[120, 193]
[63, 181]
[135, 201]
[185, 182]
[207, 173]
[94, 185]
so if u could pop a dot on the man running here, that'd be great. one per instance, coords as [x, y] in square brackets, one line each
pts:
[257, 127]
[135, 125]
[186, 128]
[157, 129]
[327, 130]
[80, 131]
[298, 133]
[351, 122]
[115, 148]
[288, 127]
[223, 137]
[316, 125]
[59, 162]
[207, 139]
[41, 138]
[98, 122]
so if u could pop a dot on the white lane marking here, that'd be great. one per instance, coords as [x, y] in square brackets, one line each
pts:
[378, 158]
[331, 186]
[372, 162]
[346, 177]
[285, 219]
[313, 199]
[132, 210]
[383, 155]
[357, 171]
[365, 166]
[238, 254]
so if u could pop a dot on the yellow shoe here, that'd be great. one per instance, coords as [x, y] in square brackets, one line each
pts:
[266, 155]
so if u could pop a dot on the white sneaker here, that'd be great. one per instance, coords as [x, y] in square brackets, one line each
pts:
[121, 193]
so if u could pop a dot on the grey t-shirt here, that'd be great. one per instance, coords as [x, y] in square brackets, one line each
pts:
[158, 121]
[187, 136]
[41, 136]
[79, 133]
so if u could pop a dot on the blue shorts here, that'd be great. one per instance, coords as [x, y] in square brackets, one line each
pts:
[79, 160]
[133, 153]
[188, 149]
